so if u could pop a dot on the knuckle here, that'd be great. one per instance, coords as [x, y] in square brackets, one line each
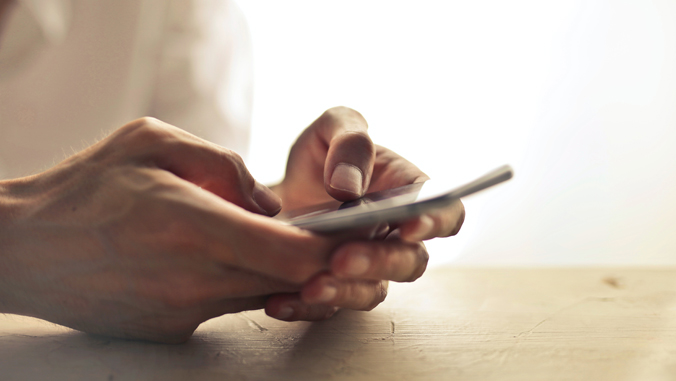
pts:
[379, 297]
[152, 130]
[360, 139]
[148, 121]
[450, 221]
[146, 130]
[403, 263]
[396, 262]
[234, 165]
[357, 142]
[421, 264]
[341, 112]
[131, 140]
[338, 111]
[141, 124]
[459, 221]
[335, 112]
[233, 157]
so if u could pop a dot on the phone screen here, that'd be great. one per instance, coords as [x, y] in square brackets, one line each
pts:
[390, 205]
[396, 196]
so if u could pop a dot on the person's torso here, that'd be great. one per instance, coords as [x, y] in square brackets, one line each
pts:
[102, 72]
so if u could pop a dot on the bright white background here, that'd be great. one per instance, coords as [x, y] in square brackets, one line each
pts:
[578, 96]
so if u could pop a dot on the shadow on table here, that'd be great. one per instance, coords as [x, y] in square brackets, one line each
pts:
[226, 349]
[343, 347]
[74, 355]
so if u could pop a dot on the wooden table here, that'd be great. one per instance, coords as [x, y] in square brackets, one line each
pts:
[453, 324]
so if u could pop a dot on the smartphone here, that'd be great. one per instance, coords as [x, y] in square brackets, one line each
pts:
[391, 205]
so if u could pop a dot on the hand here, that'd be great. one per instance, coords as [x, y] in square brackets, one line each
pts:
[133, 238]
[335, 158]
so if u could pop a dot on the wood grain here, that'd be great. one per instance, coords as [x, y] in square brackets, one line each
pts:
[453, 324]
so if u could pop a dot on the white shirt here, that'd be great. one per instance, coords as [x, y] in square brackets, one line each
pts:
[71, 71]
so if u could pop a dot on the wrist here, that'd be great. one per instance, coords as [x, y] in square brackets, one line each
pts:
[11, 204]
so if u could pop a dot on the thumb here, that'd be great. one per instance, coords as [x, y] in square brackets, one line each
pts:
[350, 152]
[207, 165]
[224, 173]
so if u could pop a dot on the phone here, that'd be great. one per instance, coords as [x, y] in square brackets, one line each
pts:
[391, 205]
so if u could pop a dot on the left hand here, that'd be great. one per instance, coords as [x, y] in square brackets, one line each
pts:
[335, 158]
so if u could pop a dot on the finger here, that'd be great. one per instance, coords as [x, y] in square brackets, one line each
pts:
[207, 165]
[350, 153]
[441, 223]
[392, 259]
[355, 294]
[231, 236]
[391, 171]
[290, 307]
[261, 244]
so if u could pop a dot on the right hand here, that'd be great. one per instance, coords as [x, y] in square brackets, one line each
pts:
[359, 268]
[133, 238]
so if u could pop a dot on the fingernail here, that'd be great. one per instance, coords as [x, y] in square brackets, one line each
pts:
[425, 225]
[266, 199]
[357, 264]
[328, 293]
[347, 177]
[284, 313]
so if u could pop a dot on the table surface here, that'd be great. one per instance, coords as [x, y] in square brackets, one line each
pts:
[452, 324]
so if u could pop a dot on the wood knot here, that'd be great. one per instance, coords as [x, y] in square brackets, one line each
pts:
[613, 282]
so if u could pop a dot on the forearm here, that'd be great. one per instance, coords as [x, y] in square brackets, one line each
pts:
[8, 214]
[29, 240]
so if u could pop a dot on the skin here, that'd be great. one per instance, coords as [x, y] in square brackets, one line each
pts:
[359, 270]
[152, 231]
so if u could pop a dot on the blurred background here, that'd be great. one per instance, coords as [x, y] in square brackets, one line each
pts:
[578, 96]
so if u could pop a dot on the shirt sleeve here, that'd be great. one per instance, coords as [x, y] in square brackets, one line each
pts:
[204, 78]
